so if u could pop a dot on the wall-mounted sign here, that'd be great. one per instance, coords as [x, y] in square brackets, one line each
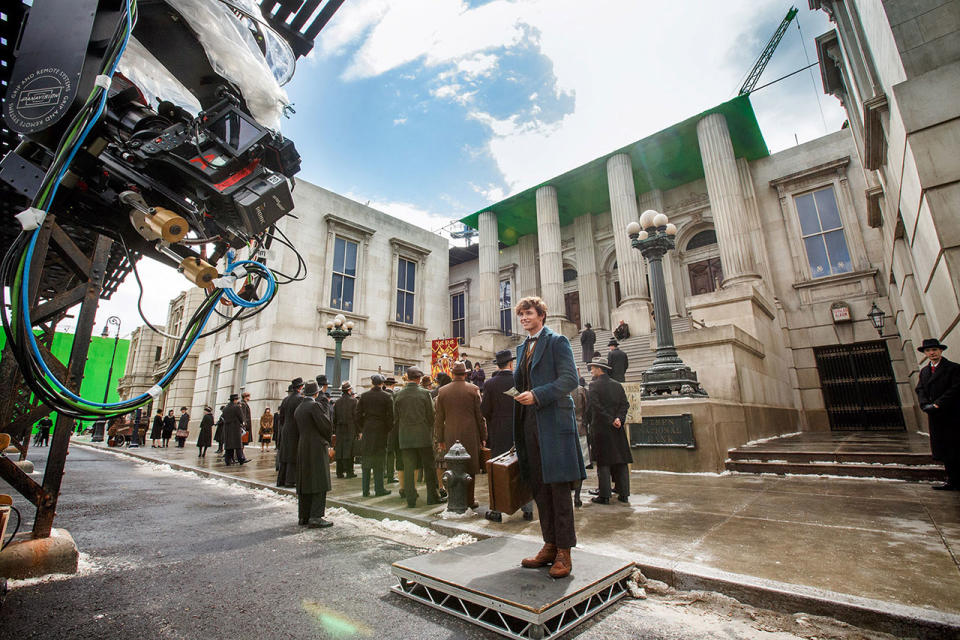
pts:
[663, 431]
[841, 312]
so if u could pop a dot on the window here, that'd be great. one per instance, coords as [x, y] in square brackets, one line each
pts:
[569, 275]
[822, 231]
[212, 385]
[242, 372]
[158, 354]
[705, 276]
[344, 274]
[406, 287]
[400, 370]
[329, 368]
[458, 315]
[702, 239]
[506, 309]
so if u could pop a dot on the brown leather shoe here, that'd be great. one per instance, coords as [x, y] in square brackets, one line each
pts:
[544, 557]
[562, 564]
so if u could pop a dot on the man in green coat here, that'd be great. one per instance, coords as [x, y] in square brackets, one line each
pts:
[413, 420]
[313, 458]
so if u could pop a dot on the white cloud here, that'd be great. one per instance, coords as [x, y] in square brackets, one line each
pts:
[411, 213]
[491, 192]
[481, 65]
[399, 121]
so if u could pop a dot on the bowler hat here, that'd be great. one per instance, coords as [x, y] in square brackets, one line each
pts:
[322, 380]
[295, 384]
[613, 343]
[311, 389]
[459, 368]
[597, 362]
[931, 343]
[503, 357]
[414, 373]
[234, 396]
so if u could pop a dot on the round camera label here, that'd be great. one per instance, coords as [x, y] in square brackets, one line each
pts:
[39, 100]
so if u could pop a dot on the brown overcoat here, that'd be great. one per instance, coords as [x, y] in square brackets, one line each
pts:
[458, 417]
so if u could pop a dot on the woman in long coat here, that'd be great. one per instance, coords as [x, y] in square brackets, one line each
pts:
[157, 431]
[266, 429]
[169, 424]
[206, 429]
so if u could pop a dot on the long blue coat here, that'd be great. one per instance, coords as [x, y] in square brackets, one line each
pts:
[553, 375]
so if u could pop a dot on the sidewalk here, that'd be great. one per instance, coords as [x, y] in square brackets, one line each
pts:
[881, 540]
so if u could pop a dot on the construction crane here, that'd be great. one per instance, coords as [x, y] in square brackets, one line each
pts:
[754, 76]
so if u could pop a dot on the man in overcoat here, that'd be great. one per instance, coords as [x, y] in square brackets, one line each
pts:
[392, 461]
[458, 418]
[938, 391]
[496, 407]
[618, 361]
[232, 426]
[587, 339]
[247, 415]
[545, 432]
[606, 416]
[344, 421]
[313, 460]
[288, 433]
[413, 420]
[374, 422]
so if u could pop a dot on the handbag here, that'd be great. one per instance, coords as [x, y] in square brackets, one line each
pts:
[508, 491]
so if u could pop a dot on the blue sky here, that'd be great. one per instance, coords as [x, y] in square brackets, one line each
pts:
[432, 109]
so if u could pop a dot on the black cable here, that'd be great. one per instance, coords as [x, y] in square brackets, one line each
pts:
[16, 529]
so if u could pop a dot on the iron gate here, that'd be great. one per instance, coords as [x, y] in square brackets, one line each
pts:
[858, 387]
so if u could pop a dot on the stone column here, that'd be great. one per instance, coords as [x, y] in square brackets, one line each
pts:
[587, 276]
[489, 268]
[737, 255]
[527, 269]
[551, 262]
[634, 306]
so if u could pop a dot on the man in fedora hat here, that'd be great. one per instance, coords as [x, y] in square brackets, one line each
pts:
[344, 420]
[939, 394]
[374, 422]
[545, 432]
[458, 418]
[413, 420]
[606, 416]
[617, 360]
[587, 339]
[497, 410]
[288, 435]
[313, 460]
[233, 431]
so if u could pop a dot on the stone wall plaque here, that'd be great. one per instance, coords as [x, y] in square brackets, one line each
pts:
[663, 431]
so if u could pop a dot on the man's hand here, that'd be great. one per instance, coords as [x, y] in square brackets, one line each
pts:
[526, 398]
[617, 423]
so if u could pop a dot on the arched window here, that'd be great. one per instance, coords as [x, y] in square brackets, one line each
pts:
[702, 258]
[702, 239]
[569, 275]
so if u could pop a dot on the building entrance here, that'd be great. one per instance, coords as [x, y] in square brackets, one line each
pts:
[858, 387]
[572, 303]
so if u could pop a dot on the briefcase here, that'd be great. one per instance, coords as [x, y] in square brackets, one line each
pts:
[508, 491]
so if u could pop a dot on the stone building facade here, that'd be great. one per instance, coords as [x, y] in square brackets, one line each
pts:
[775, 270]
[895, 66]
[385, 275]
[146, 350]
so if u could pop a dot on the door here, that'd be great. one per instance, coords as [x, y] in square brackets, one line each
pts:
[705, 276]
[858, 387]
[572, 303]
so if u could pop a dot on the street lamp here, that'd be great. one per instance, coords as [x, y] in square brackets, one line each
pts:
[876, 317]
[338, 329]
[98, 425]
[653, 236]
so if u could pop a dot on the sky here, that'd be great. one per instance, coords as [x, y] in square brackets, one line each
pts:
[429, 110]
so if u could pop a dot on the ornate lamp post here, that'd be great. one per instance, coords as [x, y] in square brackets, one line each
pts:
[667, 376]
[338, 329]
[876, 317]
[98, 425]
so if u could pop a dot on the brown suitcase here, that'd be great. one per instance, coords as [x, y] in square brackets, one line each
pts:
[508, 492]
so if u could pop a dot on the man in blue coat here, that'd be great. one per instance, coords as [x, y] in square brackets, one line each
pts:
[545, 432]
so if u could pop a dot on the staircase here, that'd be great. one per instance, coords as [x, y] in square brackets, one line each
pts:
[862, 454]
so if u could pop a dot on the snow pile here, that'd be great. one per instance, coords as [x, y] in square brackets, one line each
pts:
[469, 514]
[401, 531]
[86, 566]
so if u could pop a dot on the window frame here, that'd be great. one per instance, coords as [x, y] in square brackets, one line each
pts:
[462, 320]
[404, 264]
[343, 274]
[822, 233]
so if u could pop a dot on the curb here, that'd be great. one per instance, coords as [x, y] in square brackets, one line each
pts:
[867, 613]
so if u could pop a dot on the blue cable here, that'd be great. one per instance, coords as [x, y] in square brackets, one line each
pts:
[249, 304]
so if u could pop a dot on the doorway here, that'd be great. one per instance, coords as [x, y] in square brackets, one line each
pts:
[858, 386]
[572, 303]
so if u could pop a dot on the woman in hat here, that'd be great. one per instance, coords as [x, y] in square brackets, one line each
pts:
[938, 391]
[206, 432]
[266, 429]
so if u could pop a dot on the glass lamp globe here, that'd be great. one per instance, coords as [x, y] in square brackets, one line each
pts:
[671, 229]
[644, 235]
[329, 324]
[633, 228]
[349, 326]
[646, 218]
[339, 319]
[660, 220]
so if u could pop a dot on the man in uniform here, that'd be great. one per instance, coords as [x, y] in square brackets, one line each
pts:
[288, 434]
[545, 430]
[458, 418]
[618, 361]
[374, 422]
[606, 416]
[313, 460]
[413, 420]
[939, 394]
[587, 339]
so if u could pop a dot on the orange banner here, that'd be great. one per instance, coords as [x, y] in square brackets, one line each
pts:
[444, 353]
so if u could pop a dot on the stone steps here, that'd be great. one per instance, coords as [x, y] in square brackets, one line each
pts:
[853, 470]
[864, 457]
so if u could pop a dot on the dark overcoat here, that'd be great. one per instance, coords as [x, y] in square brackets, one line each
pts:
[232, 425]
[374, 421]
[289, 439]
[413, 417]
[553, 375]
[247, 417]
[313, 459]
[942, 388]
[169, 424]
[206, 430]
[607, 401]
[184, 422]
[496, 407]
[345, 422]
[617, 360]
[156, 432]
[458, 417]
[587, 339]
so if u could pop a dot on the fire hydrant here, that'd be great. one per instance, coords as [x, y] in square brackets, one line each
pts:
[456, 479]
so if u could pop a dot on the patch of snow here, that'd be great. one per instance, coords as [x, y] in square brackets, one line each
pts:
[86, 566]
[763, 440]
[469, 514]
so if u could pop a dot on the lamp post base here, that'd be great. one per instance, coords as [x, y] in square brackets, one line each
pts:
[674, 382]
